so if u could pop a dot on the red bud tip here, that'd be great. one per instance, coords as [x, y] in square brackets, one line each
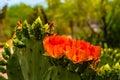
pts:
[51, 24]
[19, 22]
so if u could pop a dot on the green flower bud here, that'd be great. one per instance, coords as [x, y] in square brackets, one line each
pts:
[2, 69]
[2, 62]
[7, 49]
[18, 43]
[5, 56]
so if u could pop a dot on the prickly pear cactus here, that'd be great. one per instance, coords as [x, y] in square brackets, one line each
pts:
[24, 60]
[29, 49]
[10, 61]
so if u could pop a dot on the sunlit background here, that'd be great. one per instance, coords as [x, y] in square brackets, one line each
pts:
[95, 21]
[28, 2]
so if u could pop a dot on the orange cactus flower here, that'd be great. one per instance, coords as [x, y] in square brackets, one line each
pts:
[82, 51]
[55, 45]
[78, 52]
[75, 50]
[95, 51]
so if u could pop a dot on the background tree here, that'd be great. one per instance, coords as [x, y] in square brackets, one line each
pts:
[37, 11]
[3, 12]
[74, 18]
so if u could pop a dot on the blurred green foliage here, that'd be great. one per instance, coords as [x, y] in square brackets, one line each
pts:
[78, 16]
[74, 18]
[108, 68]
[18, 12]
[3, 12]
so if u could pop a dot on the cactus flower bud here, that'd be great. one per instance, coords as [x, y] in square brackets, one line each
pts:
[51, 24]
[5, 56]
[19, 22]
